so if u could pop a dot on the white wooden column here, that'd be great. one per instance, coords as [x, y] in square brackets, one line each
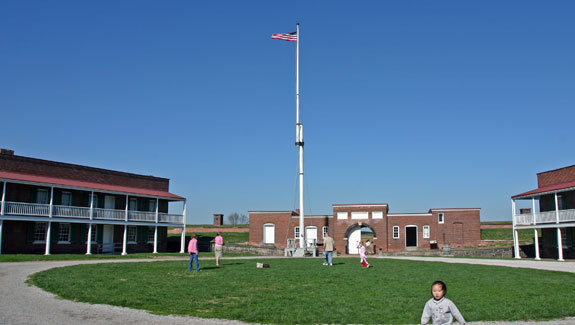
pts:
[183, 239]
[124, 252]
[156, 227]
[537, 257]
[559, 238]
[48, 232]
[515, 237]
[89, 242]
[3, 198]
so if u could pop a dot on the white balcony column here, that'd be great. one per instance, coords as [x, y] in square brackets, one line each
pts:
[3, 198]
[156, 240]
[183, 240]
[124, 252]
[157, 209]
[48, 231]
[559, 245]
[89, 241]
[537, 257]
[515, 238]
[1, 228]
[556, 208]
[92, 206]
[533, 212]
[51, 203]
[127, 201]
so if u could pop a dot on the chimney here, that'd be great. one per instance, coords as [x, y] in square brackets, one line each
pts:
[218, 219]
[7, 152]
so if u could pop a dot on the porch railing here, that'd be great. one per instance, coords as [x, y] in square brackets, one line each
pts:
[61, 211]
[545, 217]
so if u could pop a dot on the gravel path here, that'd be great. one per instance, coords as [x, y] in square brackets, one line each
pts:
[24, 304]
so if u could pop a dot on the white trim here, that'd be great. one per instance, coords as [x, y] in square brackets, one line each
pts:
[316, 217]
[376, 214]
[398, 232]
[442, 221]
[456, 209]
[358, 205]
[409, 214]
[359, 215]
[567, 189]
[428, 231]
[416, 235]
[340, 215]
[264, 233]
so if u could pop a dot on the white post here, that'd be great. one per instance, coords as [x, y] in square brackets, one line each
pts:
[48, 231]
[127, 201]
[299, 143]
[124, 252]
[556, 208]
[156, 228]
[1, 227]
[89, 242]
[51, 201]
[515, 237]
[3, 198]
[183, 240]
[533, 211]
[537, 257]
[92, 205]
[559, 245]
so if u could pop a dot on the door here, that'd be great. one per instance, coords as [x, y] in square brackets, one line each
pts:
[108, 239]
[353, 240]
[410, 236]
[269, 234]
[311, 235]
[458, 240]
[109, 204]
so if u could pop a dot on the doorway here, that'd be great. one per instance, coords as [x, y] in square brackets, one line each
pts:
[411, 236]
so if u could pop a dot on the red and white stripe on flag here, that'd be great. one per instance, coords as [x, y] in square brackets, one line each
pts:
[290, 37]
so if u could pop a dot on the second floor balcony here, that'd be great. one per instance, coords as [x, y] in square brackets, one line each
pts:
[547, 217]
[61, 211]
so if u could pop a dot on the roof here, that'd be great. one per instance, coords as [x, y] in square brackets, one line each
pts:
[86, 185]
[546, 189]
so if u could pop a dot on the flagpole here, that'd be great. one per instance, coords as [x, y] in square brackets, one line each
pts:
[299, 143]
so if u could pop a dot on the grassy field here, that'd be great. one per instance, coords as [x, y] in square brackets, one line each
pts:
[506, 234]
[304, 291]
[67, 257]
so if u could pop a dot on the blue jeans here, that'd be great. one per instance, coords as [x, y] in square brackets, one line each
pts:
[193, 257]
[328, 258]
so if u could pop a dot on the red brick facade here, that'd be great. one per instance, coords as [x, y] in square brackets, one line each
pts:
[459, 227]
[556, 176]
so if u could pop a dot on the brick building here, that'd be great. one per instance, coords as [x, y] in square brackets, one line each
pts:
[53, 207]
[391, 231]
[555, 218]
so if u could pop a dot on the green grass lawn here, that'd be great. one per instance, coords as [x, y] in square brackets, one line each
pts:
[506, 234]
[305, 291]
[66, 257]
[207, 237]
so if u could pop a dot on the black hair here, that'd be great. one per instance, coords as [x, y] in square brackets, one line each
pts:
[442, 284]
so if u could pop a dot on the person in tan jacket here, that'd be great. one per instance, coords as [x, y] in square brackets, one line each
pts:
[328, 250]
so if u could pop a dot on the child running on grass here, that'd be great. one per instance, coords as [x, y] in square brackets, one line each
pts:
[362, 255]
[440, 309]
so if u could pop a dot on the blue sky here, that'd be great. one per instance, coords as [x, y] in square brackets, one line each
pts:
[419, 104]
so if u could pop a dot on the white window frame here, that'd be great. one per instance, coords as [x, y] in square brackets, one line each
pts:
[40, 229]
[324, 231]
[342, 216]
[360, 215]
[396, 232]
[151, 231]
[440, 218]
[377, 215]
[426, 231]
[132, 231]
[64, 233]
[296, 232]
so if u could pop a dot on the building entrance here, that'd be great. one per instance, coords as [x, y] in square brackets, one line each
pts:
[411, 236]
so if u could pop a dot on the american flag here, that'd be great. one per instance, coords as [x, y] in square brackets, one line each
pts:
[290, 37]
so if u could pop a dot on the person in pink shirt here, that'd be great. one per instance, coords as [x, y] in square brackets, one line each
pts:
[219, 247]
[193, 251]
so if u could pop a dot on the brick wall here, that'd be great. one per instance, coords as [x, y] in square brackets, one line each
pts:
[557, 176]
[48, 168]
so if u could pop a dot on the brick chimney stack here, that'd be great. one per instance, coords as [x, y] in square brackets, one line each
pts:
[6, 152]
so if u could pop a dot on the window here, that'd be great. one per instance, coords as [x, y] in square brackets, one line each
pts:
[377, 215]
[296, 232]
[94, 236]
[425, 231]
[63, 233]
[132, 230]
[395, 232]
[151, 231]
[440, 218]
[66, 198]
[359, 215]
[133, 205]
[152, 205]
[42, 196]
[561, 202]
[95, 201]
[342, 215]
[325, 230]
[40, 232]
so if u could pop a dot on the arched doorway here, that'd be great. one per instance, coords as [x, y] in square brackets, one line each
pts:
[355, 234]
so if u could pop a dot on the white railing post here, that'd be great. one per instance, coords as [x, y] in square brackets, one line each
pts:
[3, 198]
[537, 257]
[124, 252]
[89, 245]
[48, 232]
[559, 245]
[183, 239]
